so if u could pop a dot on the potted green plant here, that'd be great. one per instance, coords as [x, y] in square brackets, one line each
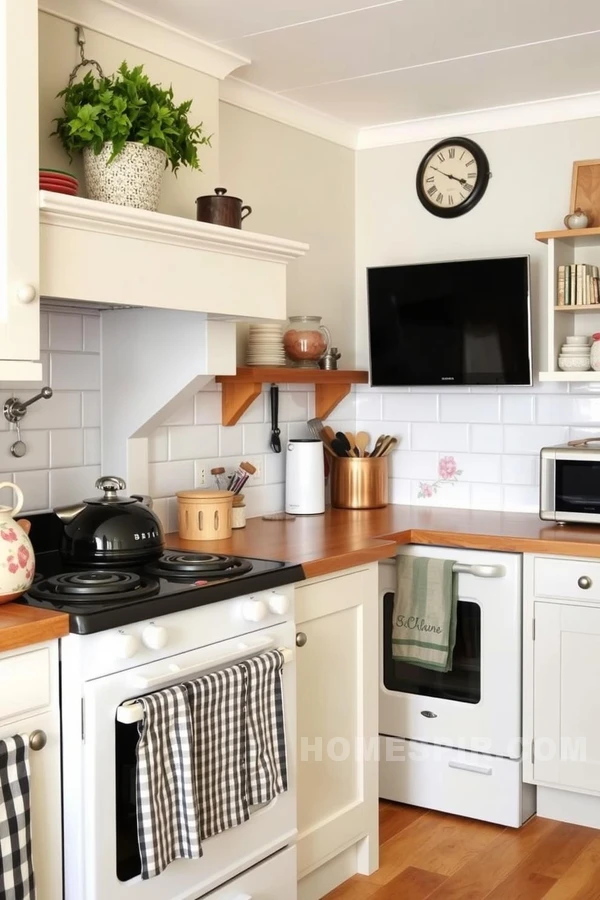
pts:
[128, 130]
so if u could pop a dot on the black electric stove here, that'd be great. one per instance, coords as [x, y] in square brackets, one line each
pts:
[101, 598]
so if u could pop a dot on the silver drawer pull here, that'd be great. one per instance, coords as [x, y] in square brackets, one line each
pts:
[466, 767]
[584, 582]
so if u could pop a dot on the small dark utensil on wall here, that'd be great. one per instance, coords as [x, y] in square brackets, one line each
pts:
[275, 432]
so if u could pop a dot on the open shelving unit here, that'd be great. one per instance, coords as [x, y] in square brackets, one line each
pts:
[242, 389]
[568, 247]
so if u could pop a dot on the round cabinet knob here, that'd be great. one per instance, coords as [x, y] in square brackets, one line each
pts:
[584, 582]
[26, 293]
[278, 604]
[125, 645]
[37, 739]
[253, 610]
[155, 637]
[301, 639]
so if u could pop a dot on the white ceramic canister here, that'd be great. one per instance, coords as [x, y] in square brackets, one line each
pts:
[595, 352]
[17, 561]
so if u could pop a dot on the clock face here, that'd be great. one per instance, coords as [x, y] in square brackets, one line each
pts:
[452, 177]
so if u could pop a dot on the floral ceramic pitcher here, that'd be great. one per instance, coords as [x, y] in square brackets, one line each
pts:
[17, 562]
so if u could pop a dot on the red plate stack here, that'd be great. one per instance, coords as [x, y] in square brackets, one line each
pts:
[57, 181]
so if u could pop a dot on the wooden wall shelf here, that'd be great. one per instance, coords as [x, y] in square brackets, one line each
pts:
[242, 389]
[567, 234]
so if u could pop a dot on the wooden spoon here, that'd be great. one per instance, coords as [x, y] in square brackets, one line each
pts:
[362, 442]
[352, 441]
[386, 446]
[378, 443]
[327, 433]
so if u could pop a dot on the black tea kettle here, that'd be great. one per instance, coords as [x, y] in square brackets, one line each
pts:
[111, 530]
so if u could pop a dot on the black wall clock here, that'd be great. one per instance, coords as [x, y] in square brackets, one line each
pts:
[452, 177]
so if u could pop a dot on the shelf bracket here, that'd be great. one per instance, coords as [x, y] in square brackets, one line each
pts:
[236, 398]
[327, 397]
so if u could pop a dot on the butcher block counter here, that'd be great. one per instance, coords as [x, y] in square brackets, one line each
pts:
[23, 625]
[340, 539]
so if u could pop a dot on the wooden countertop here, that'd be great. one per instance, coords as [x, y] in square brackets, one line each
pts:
[340, 538]
[23, 625]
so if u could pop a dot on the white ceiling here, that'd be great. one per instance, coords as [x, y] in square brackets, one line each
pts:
[370, 63]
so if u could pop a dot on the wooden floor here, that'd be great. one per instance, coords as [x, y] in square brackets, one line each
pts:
[427, 855]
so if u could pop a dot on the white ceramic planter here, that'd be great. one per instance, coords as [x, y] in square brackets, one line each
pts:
[133, 178]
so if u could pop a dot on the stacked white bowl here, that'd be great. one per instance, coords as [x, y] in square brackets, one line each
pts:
[265, 345]
[575, 354]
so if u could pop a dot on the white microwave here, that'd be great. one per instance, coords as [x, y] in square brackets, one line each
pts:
[570, 482]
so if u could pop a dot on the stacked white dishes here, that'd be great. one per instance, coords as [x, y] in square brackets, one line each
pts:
[265, 346]
[575, 354]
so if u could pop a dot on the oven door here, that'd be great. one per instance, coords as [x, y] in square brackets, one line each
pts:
[477, 705]
[109, 845]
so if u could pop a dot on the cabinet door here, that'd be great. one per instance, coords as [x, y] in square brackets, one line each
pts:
[566, 697]
[19, 197]
[337, 719]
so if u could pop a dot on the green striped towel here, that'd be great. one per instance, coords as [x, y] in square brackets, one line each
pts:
[424, 618]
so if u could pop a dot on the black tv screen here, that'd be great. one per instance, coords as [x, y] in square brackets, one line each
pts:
[464, 322]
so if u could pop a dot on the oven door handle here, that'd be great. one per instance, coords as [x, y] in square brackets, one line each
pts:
[130, 711]
[479, 571]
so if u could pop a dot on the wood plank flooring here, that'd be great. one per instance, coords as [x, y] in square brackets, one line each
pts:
[426, 855]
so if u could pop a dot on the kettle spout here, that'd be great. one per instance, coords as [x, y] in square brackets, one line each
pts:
[144, 499]
[67, 513]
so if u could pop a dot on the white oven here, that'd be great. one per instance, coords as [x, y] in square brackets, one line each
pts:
[452, 740]
[99, 755]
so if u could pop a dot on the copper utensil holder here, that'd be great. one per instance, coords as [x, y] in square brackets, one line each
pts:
[359, 482]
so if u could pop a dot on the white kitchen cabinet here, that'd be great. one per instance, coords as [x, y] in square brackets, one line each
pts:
[29, 702]
[19, 198]
[337, 729]
[566, 720]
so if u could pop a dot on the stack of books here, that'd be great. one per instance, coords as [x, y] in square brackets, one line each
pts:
[578, 285]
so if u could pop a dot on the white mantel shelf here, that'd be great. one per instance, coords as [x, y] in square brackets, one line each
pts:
[101, 253]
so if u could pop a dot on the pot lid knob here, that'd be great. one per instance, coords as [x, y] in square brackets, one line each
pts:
[220, 191]
[110, 484]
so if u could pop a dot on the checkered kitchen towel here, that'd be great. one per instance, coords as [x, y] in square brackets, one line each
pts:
[16, 868]
[166, 810]
[265, 728]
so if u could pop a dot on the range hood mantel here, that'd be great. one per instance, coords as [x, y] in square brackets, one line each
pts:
[112, 255]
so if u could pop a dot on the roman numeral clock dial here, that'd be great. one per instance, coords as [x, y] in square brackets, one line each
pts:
[452, 177]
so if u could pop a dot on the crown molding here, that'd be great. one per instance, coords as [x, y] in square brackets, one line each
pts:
[117, 21]
[248, 96]
[501, 118]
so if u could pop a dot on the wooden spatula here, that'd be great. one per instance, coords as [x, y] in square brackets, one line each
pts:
[362, 442]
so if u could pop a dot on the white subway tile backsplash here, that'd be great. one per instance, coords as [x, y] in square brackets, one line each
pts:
[66, 448]
[256, 438]
[66, 331]
[369, 407]
[450, 494]
[479, 467]
[400, 490]
[410, 407]
[91, 409]
[184, 415]
[486, 439]
[293, 406]
[521, 498]
[413, 464]
[158, 445]
[552, 410]
[487, 496]
[37, 455]
[275, 467]
[517, 409]
[193, 441]
[166, 478]
[69, 486]
[92, 334]
[585, 410]
[264, 499]
[469, 408]
[442, 437]
[518, 439]
[207, 407]
[231, 440]
[75, 371]
[44, 331]
[62, 410]
[92, 447]
[400, 430]
[520, 469]
[36, 489]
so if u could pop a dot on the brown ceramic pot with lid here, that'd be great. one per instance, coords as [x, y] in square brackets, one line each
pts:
[221, 210]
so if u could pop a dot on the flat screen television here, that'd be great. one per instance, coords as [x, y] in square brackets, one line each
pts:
[465, 322]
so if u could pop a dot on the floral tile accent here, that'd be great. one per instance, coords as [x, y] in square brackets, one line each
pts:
[448, 473]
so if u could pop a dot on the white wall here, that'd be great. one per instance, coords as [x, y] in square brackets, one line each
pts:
[300, 187]
[493, 435]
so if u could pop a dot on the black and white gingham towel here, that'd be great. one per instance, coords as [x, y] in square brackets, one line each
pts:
[265, 728]
[218, 702]
[166, 810]
[16, 868]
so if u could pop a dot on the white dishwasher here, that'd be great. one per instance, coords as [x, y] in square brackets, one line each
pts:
[452, 741]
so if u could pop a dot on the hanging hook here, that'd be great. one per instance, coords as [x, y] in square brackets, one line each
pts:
[84, 62]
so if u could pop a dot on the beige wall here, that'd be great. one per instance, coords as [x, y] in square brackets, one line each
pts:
[300, 187]
[59, 53]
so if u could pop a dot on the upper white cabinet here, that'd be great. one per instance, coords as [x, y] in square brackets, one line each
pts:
[19, 198]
